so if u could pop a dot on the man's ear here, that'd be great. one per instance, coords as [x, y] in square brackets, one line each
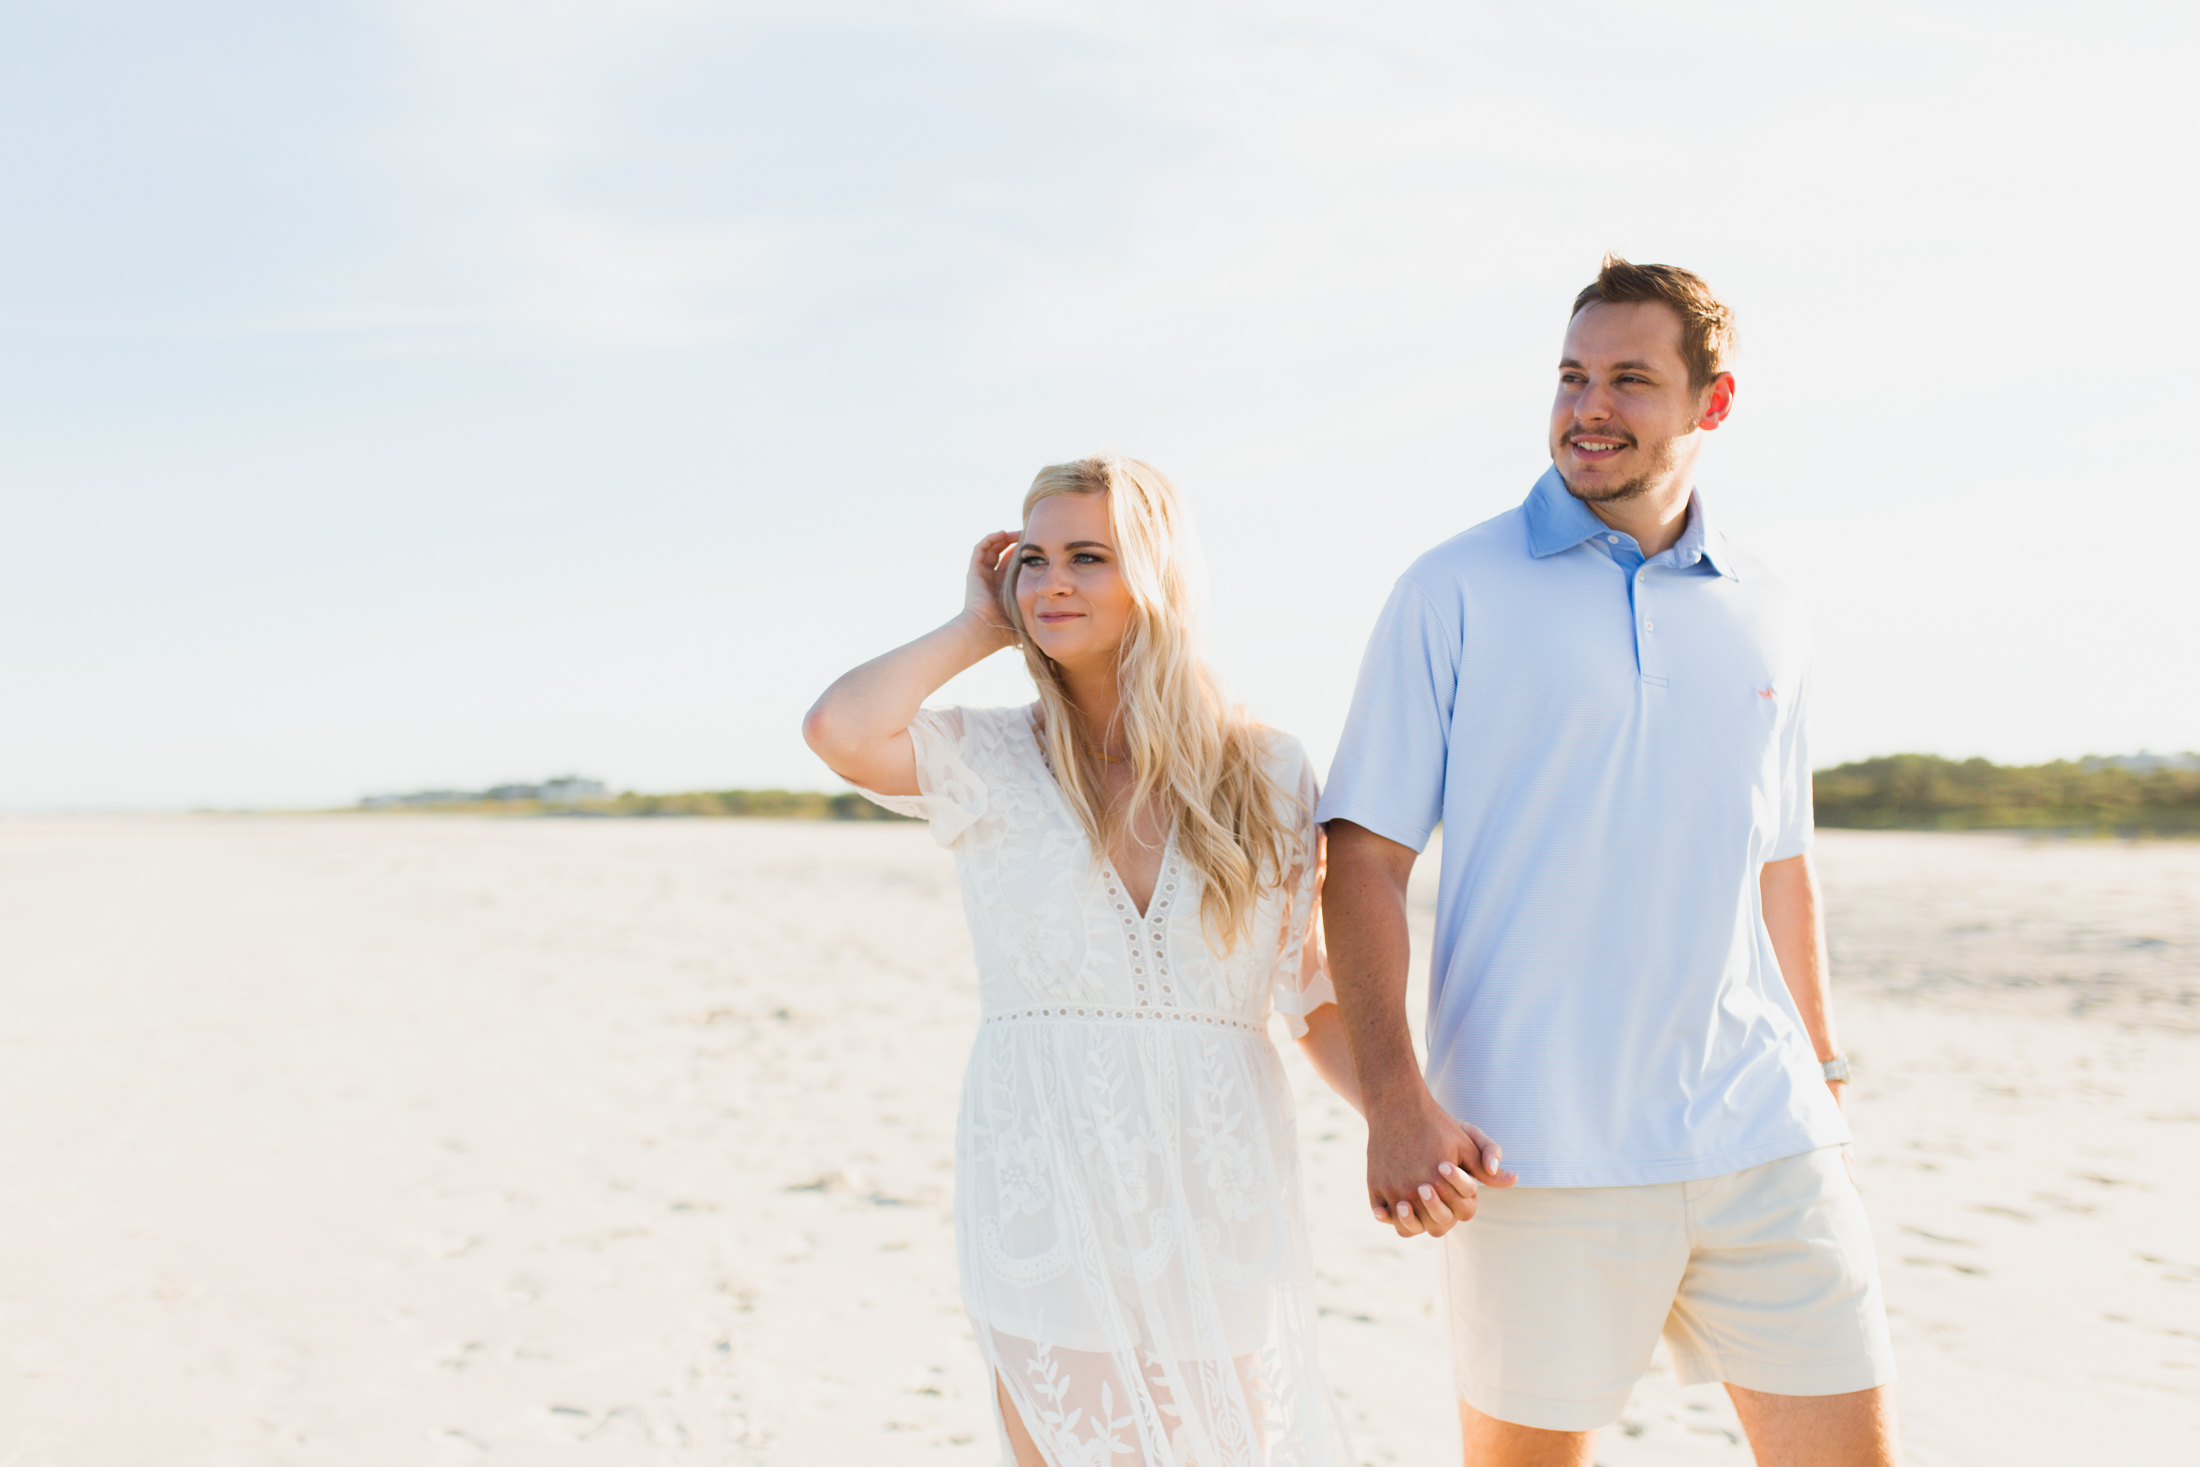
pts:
[1718, 401]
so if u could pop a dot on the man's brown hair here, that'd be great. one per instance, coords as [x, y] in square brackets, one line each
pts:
[1707, 325]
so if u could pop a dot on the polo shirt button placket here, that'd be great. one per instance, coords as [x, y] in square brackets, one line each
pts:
[1647, 657]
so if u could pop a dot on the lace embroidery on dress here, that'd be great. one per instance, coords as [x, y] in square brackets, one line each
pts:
[1036, 949]
[953, 798]
[1300, 978]
[1127, 1205]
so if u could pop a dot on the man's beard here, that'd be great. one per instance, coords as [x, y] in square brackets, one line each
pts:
[1618, 493]
[1653, 474]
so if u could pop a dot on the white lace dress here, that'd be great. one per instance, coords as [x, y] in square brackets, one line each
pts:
[1126, 1176]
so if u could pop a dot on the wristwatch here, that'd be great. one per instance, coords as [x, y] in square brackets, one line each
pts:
[1836, 1068]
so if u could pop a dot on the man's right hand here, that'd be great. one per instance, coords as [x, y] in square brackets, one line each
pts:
[1423, 1166]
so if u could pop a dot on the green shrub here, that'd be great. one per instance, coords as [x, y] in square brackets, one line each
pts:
[1927, 792]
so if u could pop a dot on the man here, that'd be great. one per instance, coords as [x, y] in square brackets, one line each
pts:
[1603, 700]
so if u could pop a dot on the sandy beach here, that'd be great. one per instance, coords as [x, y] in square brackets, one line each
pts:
[389, 1140]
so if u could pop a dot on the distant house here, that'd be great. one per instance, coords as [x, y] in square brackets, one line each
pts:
[2139, 763]
[566, 789]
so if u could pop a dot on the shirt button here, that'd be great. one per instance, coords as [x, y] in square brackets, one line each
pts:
[1612, 539]
[1649, 625]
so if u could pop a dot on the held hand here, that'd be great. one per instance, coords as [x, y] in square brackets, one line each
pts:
[1423, 1166]
[982, 586]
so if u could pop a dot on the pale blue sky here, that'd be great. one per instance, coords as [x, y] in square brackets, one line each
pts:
[441, 393]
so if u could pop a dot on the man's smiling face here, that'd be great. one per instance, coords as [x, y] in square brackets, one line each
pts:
[1626, 420]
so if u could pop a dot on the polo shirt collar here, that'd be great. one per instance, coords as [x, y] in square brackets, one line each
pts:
[1558, 521]
[1702, 540]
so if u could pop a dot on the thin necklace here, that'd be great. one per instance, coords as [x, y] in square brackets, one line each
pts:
[1109, 758]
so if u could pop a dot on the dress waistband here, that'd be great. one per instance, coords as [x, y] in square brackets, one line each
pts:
[1109, 1014]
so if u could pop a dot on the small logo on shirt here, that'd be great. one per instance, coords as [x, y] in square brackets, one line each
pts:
[1766, 692]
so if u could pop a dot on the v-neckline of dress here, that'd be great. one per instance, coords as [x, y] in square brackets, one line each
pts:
[1107, 862]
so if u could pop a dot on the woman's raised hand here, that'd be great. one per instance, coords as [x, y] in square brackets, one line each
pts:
[860, 727]
[982, 588]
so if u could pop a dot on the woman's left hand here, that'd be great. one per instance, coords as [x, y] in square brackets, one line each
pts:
[989, 563]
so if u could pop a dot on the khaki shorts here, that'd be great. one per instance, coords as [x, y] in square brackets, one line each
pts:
[1763, 1278]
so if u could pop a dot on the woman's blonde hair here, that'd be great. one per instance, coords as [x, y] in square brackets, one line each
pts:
[1200, 760]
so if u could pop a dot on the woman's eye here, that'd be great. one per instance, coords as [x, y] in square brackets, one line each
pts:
[1031, 560]
[1084, 557]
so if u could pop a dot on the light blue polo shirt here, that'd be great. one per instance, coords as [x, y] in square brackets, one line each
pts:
[1615, 746]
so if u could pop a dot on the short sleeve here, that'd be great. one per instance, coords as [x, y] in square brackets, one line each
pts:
[1301, 983]
[1389, 771]
[1798, 825]
[953, 795]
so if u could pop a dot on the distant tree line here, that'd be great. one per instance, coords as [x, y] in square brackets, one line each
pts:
[1897, 792]
[1927, 792]
[760, 804]
[765, 804]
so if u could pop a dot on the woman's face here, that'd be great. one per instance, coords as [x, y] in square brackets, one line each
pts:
[1069, 581]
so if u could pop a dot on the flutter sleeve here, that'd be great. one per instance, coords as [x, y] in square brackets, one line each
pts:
[953, 796]
[1302, 971]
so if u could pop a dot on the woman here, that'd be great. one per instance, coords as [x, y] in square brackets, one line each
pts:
[1140, 869]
